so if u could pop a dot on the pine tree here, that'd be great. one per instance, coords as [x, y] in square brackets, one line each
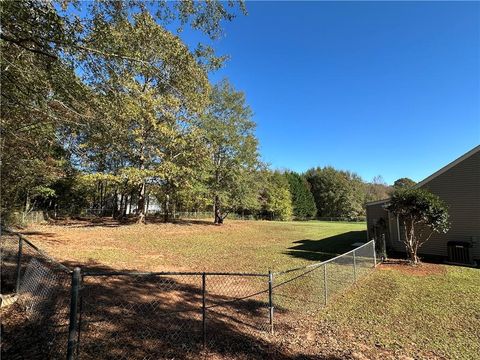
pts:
[302, 198]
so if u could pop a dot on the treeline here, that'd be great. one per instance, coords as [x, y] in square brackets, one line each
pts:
[104, 107]
[264, 194]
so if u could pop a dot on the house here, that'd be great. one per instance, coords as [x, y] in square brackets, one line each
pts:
[152, 206]
[458, 184]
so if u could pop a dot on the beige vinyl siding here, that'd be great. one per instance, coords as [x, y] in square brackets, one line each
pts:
[459, 187]
[374, 213]
[396, 234]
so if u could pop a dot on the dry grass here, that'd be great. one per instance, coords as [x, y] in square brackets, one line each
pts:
[196, 245]
[398, 312]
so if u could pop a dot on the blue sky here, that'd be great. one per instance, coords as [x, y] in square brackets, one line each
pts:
[374, 87]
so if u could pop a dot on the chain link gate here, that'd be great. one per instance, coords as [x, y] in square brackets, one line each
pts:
[164, 315]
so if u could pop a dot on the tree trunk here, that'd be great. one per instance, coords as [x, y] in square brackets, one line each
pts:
[217, 211]
[95, 193]
[141, 204]
[100, 212]
[130, 199]
[147, 196]
[27, 207]
[105, 199]
[166, 208]
[410, 241]
[27, 202]
[414, 258]
[115, 203]
[121, 207]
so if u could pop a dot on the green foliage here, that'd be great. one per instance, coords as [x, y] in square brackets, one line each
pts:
[40, 98]
[129, 115]
[276, 199]
[421, 213]
[72, 194]
[232, 148]
[404, 183]
[422, 207]
[102, 107]
[302, 199]
[336, 193]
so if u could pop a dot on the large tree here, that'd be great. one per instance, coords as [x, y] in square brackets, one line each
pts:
[404, 183]
[421, 214]
[41, 96]
[151, 99]
[49, 116]
[275, 197]
[337, 193]
[233, 148]
[302, 199]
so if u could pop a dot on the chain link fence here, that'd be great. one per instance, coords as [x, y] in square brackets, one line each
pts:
[131, 315]
[36, 326]
[80, 314]
[306, 290]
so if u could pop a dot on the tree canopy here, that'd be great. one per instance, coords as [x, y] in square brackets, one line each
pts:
[404, 183]
[303, 201]
[276, 199]
[337, 193]
[421, 214]
[105, 110]
[233, 150]
[102, 87]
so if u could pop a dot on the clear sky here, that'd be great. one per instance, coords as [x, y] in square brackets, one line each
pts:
[389, 88]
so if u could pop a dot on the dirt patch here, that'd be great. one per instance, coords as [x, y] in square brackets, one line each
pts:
[422, 269]
[324, 340]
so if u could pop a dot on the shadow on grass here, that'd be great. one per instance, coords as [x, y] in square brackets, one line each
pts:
[324, 249]
[42, 233]
[187, 222]
[84, 222]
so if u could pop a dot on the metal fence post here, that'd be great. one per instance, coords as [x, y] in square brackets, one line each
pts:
[270, 299]
[383, 255]
[19, 263]
[76, 279]
[204, 323]
[354, 267]
[374, 254]
[80, 316]
[325, 283]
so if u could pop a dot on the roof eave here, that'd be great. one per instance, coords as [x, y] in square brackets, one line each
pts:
[377, 202]
[448, 166]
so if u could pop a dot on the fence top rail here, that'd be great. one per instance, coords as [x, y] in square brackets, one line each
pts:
[41, 252]
[323, 262]
[169, 273]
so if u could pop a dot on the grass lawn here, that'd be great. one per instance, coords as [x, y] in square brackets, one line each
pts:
[396, 312]
[198, 245]
[429, 312]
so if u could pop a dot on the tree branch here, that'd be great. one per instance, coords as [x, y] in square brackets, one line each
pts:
[20, 43]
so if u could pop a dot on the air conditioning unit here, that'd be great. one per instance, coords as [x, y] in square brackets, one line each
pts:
[459, 252]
